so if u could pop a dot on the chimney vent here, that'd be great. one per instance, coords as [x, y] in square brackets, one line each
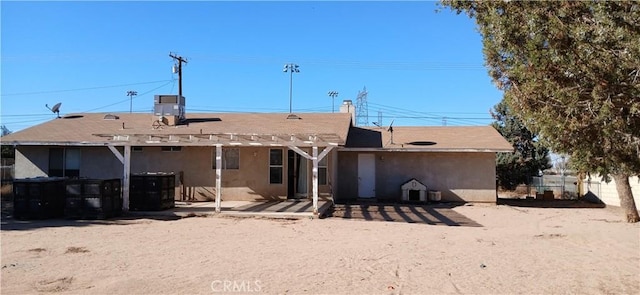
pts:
[348, 107]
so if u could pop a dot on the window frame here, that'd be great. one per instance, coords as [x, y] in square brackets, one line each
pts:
[276, 166]
[225, 161]
[64, 170]
[171, 148]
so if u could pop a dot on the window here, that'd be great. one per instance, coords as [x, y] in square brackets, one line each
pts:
[230, 158]
[275, 166]
[64, 162]
[171, 148]
[322, 171]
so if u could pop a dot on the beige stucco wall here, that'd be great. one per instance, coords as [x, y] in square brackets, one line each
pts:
[250, 182]
[96, 162]
[608, 193]
[31, 161]
[468, 177]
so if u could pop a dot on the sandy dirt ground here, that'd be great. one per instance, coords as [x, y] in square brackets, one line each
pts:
[507, 250]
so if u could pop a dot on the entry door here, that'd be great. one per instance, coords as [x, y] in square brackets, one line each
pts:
[302, 187]
[366, 176]
[297, 172]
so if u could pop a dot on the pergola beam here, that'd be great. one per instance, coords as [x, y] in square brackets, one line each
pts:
[200, 139]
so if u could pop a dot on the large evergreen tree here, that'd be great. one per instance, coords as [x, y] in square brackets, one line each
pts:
[571, 70]
[529, 155]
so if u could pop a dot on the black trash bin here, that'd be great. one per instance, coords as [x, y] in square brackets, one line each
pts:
[93, 198]
[152, 191]
[38, 198]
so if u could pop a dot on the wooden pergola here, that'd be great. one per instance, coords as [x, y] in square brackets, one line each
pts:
[295, 142]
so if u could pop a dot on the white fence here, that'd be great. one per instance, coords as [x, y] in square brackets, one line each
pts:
[608, 193]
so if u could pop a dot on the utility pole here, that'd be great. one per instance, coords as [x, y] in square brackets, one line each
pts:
[131, 94]
[179, 60]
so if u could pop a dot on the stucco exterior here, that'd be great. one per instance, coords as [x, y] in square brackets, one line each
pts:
[31, 161]
[249, 182]
[459, 176]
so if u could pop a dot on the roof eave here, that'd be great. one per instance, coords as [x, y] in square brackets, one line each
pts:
[429, 150]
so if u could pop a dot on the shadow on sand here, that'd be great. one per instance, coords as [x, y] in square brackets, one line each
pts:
[13, 224]
[438, 214]
[550, 203]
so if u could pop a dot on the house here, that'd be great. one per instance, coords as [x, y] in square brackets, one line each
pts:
[457, 161]
[264, 156]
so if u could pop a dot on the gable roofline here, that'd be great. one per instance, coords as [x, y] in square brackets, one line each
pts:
[250, 129]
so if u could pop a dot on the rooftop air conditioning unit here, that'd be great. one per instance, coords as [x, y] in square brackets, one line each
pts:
[169, 105]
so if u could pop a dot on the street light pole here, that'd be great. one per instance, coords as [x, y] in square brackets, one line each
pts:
[291, 68]
[131, 94]
[333, 95]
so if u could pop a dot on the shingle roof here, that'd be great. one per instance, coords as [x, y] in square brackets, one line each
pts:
[247, 128]
[430, 138]
[92, 128]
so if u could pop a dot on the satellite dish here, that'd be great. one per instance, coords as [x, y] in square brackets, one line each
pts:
[55, 109]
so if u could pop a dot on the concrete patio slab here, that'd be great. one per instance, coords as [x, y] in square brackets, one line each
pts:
[269, 209]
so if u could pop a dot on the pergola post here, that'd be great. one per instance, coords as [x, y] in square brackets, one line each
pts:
[315, 158]
[218, 176]
[126, 174]
[314, 178]
[126, 177]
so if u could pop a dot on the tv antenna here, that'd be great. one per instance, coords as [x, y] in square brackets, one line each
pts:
[390, 129]
[55, 109]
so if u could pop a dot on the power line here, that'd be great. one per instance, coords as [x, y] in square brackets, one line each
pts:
[411, 114]
[119, 102]
[27, 121]
[26, 115]
[80, 89]
[408, 114]
[400, 65]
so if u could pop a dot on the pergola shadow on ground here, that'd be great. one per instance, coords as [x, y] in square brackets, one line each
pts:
[287, 209]
[556, 203]
[10, 224]
[438, 214]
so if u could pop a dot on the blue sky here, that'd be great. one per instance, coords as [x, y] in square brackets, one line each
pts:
[419, 66]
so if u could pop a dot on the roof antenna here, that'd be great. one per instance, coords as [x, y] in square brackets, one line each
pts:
[390, 129]
[55, 109]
